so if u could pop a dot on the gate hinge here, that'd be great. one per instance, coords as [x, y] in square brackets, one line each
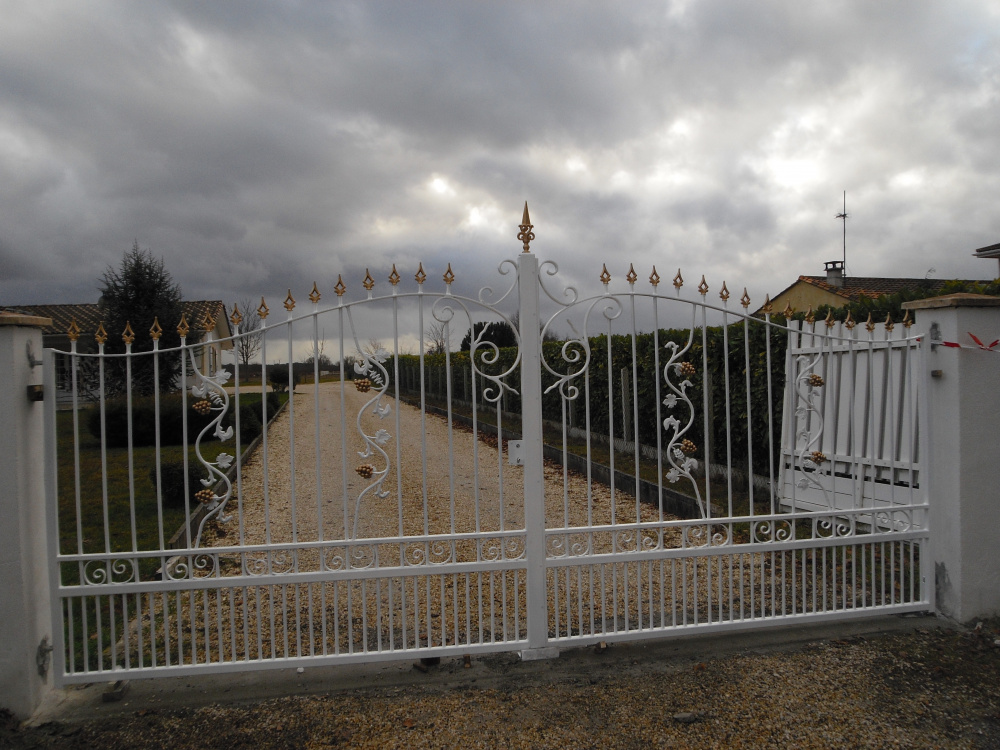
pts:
[515, 453]
[43, 656]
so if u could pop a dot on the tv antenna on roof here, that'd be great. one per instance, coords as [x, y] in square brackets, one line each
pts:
[843, 217]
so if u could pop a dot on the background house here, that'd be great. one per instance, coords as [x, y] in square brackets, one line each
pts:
[88, 317]
[836, 290]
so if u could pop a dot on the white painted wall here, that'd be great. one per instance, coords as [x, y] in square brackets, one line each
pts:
[24, 590]
[963, 399]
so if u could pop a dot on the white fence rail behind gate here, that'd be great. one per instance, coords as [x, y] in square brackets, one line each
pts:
[862, 422]
[363, 526]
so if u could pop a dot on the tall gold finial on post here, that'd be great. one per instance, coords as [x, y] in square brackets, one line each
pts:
[526, 235]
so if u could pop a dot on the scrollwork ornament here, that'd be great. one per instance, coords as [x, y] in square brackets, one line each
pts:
[370, 365]
[809, 428]
[116, 571]
[363, 556]
[334, 558]
[680, 449]
[212, 397]
[513, 548]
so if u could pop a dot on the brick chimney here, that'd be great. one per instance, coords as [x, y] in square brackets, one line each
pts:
[834, 273]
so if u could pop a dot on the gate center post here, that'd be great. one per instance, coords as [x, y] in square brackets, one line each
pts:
[531, 438]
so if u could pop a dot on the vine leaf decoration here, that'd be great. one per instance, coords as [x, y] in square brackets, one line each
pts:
[212, 397]
[809, 428]
[677, 373]
[374, 378]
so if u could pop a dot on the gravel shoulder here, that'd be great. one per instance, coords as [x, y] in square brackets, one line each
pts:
[889, 682]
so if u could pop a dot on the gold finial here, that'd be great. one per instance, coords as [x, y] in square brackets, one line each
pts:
[128, 336]
[208, 322]
[724, 294]
[526, 235]
[340, 288]
[73, 331]
[263, 311]
[631, 277]
[745, 299]
[849, 321]
[448, 276]
[654, 277]
[420, 277]
[235, 317]
[394, 276]
[605, 276]
[183, 328]
[829, 319]
[314, 295]
[789, 311]
[678, 280]
[768, 307]
[870, 324]
[155, 331]
[907, 321]
[889, 325]
[369, 282]
[810, 318]
[101, 335]
[703, 287]
[289, 301]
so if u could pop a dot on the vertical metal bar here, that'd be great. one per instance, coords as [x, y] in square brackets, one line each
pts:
[635, 408]
[770, 409]
[317, 450]
[531, 427]
[659, 416]
[398, 433]
[729, 431]
[51, 479]
[750, 469]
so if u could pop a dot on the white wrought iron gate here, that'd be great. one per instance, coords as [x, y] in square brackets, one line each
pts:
[401, 505]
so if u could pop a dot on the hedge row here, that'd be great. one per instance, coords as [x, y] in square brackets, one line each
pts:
[171, 420]
[707, 354]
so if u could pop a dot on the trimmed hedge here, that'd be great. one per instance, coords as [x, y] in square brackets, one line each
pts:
[708, 353]
[172, 420]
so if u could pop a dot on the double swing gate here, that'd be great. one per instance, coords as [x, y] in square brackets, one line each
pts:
[735, 473]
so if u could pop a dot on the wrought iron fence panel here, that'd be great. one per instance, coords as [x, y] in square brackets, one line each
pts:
[707, 469]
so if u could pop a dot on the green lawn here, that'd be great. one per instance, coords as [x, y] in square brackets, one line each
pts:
[110, 500]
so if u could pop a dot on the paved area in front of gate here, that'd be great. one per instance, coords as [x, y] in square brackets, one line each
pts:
[880, 682]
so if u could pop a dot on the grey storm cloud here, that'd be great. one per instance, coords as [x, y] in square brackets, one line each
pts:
[259, 146]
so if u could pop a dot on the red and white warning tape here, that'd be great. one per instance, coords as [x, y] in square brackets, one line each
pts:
[979, 345]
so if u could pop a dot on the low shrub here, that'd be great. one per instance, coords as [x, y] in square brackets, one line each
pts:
[278, 378]
[172, 481]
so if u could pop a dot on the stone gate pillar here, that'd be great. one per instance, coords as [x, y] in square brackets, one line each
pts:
[963, 452]
[25, 615]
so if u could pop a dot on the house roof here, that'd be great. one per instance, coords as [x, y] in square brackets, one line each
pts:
[856, 287]
[88, 316]
[990, 251]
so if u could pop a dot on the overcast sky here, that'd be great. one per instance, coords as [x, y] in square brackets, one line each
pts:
[261, 146]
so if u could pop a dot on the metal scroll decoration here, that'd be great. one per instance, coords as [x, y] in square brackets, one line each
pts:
[677, 373]
[212, 398]
[373, 377]
[809, 427]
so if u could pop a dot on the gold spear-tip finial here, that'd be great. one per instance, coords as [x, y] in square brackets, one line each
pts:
[526, 235]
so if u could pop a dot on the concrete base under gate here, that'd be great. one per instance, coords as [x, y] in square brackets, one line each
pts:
[534, 654]
[498, 670]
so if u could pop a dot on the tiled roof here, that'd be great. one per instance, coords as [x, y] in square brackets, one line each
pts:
[88, 315]
[856, 287]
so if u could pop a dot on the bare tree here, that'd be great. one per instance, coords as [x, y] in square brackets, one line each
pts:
[249, 334]
[436, 338]
[318, 354]
[374, 345]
